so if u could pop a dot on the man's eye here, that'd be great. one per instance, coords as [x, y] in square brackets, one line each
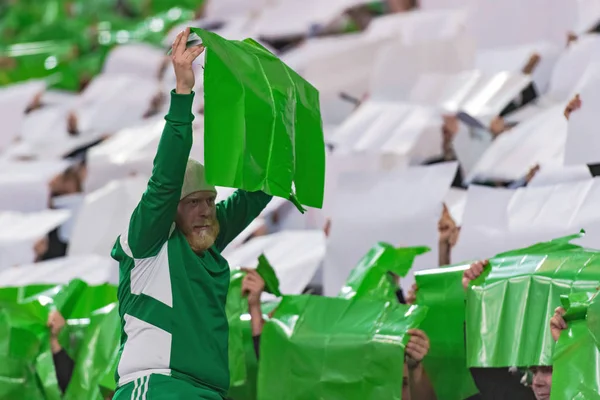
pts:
[194, 202]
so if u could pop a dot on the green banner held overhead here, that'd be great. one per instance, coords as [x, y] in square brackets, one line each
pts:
[262, 123]
[521, 289]
[441, 291]
[575, 372]
[371, 277]
[335, 349]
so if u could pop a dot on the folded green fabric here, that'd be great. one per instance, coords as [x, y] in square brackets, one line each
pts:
[521, 290]
[441, 291]
[262, 123]
[371, 278]
[335, 349]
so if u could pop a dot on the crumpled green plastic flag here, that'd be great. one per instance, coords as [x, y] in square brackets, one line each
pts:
[266, 271]
[335, 349]
[236, 309]
[441, 291]
[371, 277]
[25, 349]
[100, 349]
[26, 364]
[262, 123]
[521, 290]
[576, 362]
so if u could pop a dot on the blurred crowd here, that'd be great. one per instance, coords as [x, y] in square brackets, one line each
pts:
[459, 125]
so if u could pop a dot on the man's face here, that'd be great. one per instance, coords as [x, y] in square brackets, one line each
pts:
[197, 219]
[542, 382]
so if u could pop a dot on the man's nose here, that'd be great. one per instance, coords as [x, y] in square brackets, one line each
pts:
[204, 210]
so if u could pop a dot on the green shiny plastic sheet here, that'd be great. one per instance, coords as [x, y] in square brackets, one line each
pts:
[335, 349]
[521, 290]
[371, 277]
[576, 362]
[26, 364]
[100, 349]
[441, 291]
[262, 124]
[27, 367]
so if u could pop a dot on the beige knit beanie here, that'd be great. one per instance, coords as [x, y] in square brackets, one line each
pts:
[195, 180]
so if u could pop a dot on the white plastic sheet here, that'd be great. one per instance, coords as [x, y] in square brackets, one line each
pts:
[479, 95]
[572, 65]
[20, 231]
[515, 58]
[45, 135]
[588, 15]
[72, 203]
[289, 18]
[445, 4]
[401, 208]
[399, 65]
[419, 27]
[140, 59]
[14, 100]
[24, 186]
[295, 256]
[456, 200]
[104, 215]
[498, 220]
[112, 102]
[583, 140]
[470, 144]
[92, 269]
[549, 175]
[515, 22]
[539, 140]
[384, 127]
[131, 152]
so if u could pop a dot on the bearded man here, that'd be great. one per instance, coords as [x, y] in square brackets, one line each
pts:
[173, 279]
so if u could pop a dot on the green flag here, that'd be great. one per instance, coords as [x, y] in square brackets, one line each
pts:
[262, 123]
[335, 349]
[441, 291]
[521, 289]
[371, 277]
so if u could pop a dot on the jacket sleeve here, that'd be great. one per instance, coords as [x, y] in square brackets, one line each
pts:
[64, 366]
[237, 212]
[152, 219]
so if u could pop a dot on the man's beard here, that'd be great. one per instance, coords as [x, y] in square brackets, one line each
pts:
[200, 242]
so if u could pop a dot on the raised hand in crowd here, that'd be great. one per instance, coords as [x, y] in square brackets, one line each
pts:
[183, 59]
[574, 105]
[56, 323]
[473, 272]
[416, 384]
[557, 323]
[252, 286]
[411, 298]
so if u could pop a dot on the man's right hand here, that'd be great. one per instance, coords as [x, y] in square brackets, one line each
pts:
[473, 272]
[183, 58]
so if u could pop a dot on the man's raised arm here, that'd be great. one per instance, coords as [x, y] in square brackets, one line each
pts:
[151, 221]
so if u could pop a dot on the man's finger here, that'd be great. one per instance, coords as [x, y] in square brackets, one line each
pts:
[193, 52]
[182, 42]
[176, 42]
